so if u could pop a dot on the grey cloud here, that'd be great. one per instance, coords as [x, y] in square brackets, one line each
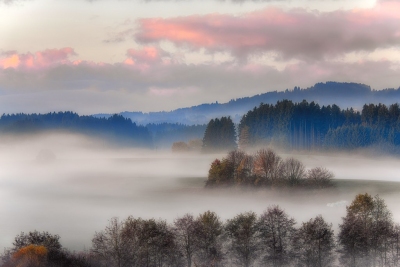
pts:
[296, 33]
[113, 88]
[11, 2]
[120, 36]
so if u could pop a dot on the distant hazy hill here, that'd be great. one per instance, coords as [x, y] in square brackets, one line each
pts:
[115, 128]
[343, 94]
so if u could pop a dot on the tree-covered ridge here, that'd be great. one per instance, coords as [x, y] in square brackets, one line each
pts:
[265, 169]
[307, 125]
[116, 128]
[367, 237]
[343, 94]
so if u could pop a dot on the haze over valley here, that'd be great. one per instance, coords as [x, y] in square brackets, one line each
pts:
[87, 181]
[199, 133]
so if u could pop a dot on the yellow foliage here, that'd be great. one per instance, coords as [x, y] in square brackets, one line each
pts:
[32, 256]
[362, 205]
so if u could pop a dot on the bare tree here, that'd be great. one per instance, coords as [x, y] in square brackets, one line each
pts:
[319, 177]
[158, 247]
[277, 232]
[185, 231]
[293, 171]
[108, 245]
[394, 247]
[209, 238]
[131, 233]
[382, 230]
[364, 235]
[243, 241]
[267, 166]
[315, 243]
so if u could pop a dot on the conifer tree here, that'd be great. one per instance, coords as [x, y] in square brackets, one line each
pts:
[220, 134]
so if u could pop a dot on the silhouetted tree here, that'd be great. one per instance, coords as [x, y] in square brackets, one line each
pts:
[277, 233]
[209, 240]
[109, 246]
[243, 242]
[185, 230]
[315, 243]
[364, 235]
[293, 171]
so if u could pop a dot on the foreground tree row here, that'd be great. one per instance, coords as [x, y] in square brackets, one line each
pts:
[265, 168]
[367, 237]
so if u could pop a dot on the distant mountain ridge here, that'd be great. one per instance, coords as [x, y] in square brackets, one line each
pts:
[345, 95]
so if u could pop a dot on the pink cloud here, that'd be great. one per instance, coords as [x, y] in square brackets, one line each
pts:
[296, 33]
[140, 59]
[146, 58]
[146, 54]
[37, 60]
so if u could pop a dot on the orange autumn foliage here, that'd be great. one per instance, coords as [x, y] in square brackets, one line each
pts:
[30, 256]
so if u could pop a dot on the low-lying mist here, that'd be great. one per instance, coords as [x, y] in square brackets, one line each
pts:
[71, 185]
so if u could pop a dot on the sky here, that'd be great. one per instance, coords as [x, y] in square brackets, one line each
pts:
[108, 56]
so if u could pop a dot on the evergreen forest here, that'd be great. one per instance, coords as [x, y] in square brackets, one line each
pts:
[116, 128]
[308, 126]
[220, 134]
[294, 126]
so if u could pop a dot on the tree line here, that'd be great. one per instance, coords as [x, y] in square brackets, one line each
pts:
[367, 236]
[291, 125]
[115, 128]
[265, 168]
[307, 125]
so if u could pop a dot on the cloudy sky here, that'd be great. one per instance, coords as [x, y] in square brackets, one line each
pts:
[93, 56]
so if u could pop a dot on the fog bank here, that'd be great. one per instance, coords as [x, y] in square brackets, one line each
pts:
[71, 185]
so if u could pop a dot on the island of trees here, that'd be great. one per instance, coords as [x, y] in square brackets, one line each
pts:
[367, 237]
[265, 168]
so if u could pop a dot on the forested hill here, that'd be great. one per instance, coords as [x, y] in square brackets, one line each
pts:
[116, 128]
[345, 95]
[307, 125]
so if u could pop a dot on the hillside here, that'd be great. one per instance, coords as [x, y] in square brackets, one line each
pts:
[345, 95]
